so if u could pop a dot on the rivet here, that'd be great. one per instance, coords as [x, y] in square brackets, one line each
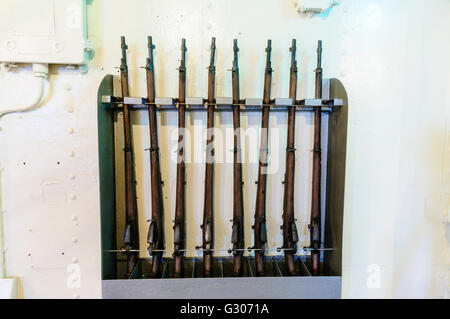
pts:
[72, 153]
[72, 176]
[69, 109]
[10, 45]
[68, 87]
[74, 217]
[75, 259]
[59, 47]
[73, 196]
[76, 296]
[70, 130]
[74, 240]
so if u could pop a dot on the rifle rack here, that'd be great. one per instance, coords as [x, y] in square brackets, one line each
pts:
[222, 285]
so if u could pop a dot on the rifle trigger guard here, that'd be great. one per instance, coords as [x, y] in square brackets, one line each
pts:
[152, 232]
[177, 233]
[235, 236]
[127, 149]
[127, 235]
[263, 233]
[294, 232]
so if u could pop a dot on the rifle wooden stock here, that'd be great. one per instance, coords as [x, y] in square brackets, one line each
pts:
[237, 237]
[315, 223]
[155, 237]
[131, 233]
[208, 226]
[260, 207]
[290, 235]
[179, 223]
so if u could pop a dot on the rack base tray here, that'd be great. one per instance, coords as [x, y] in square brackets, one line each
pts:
[224, 288]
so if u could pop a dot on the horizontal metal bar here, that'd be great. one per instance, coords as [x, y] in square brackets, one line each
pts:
[199, 248]
[202, 249]
[124, 251]
[222, 104]
[320, 249]
[221, 101]
[221, 108]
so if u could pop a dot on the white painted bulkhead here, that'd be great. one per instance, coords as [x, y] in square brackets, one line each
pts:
[390, 55]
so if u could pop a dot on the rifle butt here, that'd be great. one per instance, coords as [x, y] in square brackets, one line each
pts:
[259, 261]
[315, 262]
[156, 265]
[207, 260]
[178, 266]
[237, 265]
[131, 263]
[290, 265]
